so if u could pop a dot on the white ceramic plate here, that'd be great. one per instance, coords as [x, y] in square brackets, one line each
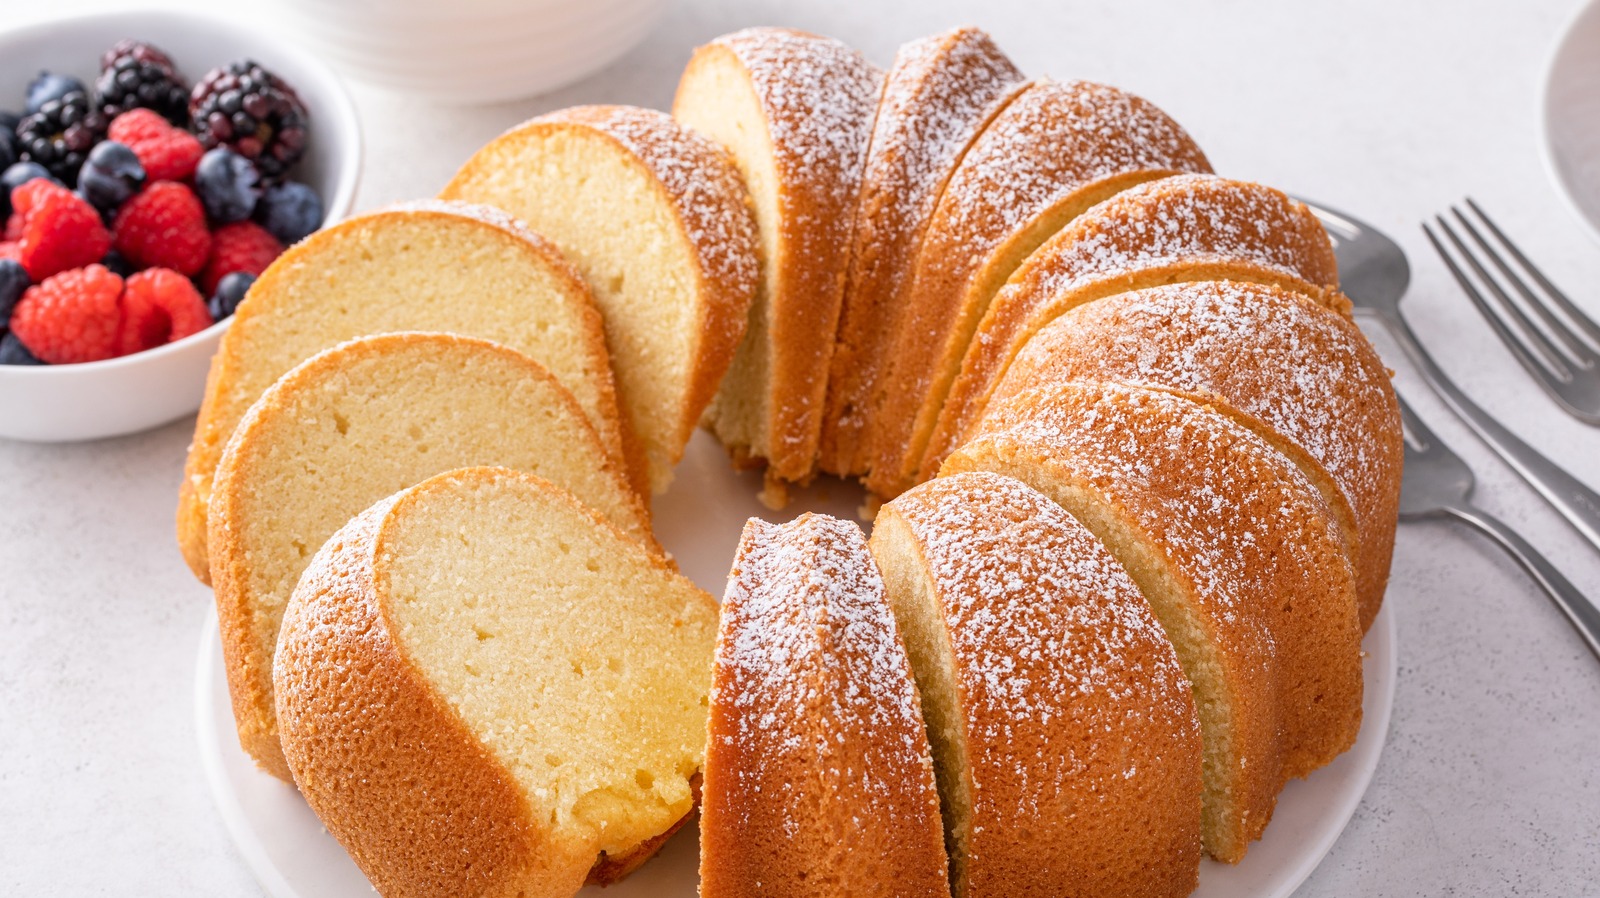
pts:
[699, 522]
[1572, 115]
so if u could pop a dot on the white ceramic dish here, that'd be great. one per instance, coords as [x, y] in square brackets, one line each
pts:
[699, 521]
[1572, 115]
[483, 52]
[148, 389]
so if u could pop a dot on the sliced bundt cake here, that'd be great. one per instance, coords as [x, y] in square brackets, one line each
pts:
[1236, 552]
[1182, 228]
[818, 778]
[427, 266]
[1302, 377]
[1053, 152]
[351, 426]
[795, 111]
[939, 94]
[658, 221]
[1064, 732]
[486, 689]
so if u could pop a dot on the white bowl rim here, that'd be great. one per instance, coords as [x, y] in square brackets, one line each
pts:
[1558, 53]
[335, 208]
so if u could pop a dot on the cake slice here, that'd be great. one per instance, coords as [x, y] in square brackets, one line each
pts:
[350, 426]
[1301, 377]
[816, 730]
[658, 221]
[1053, 152]
[1182, 228]
[1064, 731]
[1239, 557]
[795, 111]
[427, 266]
[487, 689]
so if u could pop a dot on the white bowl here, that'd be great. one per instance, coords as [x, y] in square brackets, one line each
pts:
[59, 403]
[484, 51]
[1572, 115]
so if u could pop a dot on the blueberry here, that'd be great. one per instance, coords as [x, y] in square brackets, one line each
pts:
[118, 264]
[230, 290]
[50, 86]
[110, 176]
[9, 121]
[8, 147]
[290, 211]
[14, 281]
[228, 184]
[21, 173]
[12, 352]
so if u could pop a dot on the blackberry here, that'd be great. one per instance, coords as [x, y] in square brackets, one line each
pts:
[60, 135]
[12, 352]
[9, 121]
[135, 75]
[118, 264]
[252, 111]
[230, 291]
[8, 148]
[50, 86]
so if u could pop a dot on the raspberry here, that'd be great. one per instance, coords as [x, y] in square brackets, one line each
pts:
[9, 249]
[74, 316]
[167, 153]
[242, 246]
[58, 229]
[163, 227]
[159, 306]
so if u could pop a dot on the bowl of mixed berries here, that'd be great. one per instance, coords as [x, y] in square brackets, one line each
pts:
[152, 165]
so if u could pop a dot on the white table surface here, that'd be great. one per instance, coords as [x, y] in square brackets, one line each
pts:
[1490, 783]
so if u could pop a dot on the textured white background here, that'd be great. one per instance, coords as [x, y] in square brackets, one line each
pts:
[1490, 784]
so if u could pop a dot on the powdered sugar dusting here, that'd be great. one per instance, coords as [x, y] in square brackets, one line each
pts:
[1060, 661]
[1303, 371]
[812, 672]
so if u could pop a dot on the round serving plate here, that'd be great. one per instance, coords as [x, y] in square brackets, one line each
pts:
[1572, 115]
[699, 521]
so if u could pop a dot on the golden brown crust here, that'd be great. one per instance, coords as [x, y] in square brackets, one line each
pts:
[817, 98]
[815, 730]
[241, 371]
[246, 650]
[1080, 730]
[1302, 377]
[939, 94]
[1280, 604]
[1182, 228]
[699, 182]
[388, 766]
[1055, 150]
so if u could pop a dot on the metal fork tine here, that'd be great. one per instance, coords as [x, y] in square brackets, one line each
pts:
[1577, 352]
[1415, 431]
[1574, 314]
[1550, 363]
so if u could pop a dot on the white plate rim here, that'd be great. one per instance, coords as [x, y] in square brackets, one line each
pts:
[1380, 671]
[1559, 52]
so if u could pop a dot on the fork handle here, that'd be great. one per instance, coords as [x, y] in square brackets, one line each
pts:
[1581, 612]
[1568, 495]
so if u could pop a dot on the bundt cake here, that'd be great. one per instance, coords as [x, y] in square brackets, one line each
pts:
[1296, 374]
[1237, 554]
[351, 426]
[658, 221]
[1053, 152]
[795, 111]
[484, 688]
[940, 93]
[425, 266]
[1064, 732]
[1182, 228]
[818, 778]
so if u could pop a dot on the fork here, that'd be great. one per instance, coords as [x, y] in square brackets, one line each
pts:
[1374, 273]
[1438, 483]
[1561, 351]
